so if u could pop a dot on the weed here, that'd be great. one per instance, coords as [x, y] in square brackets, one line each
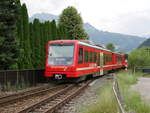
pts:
[106, 101]
[132, 99]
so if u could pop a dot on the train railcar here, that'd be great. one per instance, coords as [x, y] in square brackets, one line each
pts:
[77, 60]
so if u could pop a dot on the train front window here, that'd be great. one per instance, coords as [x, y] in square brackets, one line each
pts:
[61, 54]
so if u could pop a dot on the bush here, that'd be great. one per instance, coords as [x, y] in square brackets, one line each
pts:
[139, 57]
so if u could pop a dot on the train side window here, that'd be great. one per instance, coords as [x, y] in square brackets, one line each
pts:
[95, 57]
[110, 58]
[98, 61]
[105, 59]
[119, 59]
[91, 56]
[86, 56]
[80, 58]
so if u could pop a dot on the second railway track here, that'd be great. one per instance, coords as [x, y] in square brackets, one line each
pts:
[52, 103]
[9, 99]
[46, 100]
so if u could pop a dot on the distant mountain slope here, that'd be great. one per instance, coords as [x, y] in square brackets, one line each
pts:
[145, 43]
[43, 17]
[122, 42]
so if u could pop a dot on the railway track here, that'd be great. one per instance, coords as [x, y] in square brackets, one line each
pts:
[9, 99]
[51, 103]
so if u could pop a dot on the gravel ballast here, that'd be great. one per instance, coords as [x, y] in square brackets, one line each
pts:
[86, 98]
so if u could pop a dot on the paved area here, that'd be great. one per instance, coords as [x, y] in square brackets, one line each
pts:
[143, 86]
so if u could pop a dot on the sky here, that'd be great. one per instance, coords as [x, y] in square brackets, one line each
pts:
[121, 16]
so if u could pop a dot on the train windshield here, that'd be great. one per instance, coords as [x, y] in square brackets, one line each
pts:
[61, 54]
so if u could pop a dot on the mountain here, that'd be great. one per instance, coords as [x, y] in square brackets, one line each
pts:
[145, 43]
[43, 17]
[122, 42]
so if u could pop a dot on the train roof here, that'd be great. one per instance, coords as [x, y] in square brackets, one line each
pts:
[93, 46]
[86, 43]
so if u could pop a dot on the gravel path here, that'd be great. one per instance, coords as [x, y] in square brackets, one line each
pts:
[89, 96]
[143, 86]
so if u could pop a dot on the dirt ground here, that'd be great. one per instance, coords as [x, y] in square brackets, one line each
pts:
[143, 86]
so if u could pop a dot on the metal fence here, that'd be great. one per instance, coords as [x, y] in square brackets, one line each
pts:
[118, 96]
[144, 69]
[16, 77]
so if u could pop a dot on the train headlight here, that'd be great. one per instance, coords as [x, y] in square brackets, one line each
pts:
[58, 76]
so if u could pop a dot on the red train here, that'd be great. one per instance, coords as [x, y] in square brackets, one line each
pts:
[77, 60]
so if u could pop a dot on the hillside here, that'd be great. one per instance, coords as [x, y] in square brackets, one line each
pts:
[122, 42]
[145, 43]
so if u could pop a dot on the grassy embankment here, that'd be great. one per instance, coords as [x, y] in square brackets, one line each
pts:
[132, 98]
[106, 101]
[8, 87]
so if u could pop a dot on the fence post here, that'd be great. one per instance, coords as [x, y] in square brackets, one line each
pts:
[17, 77]
[5, 77]
[34, 78]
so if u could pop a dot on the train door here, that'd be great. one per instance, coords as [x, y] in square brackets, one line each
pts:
[101, 63]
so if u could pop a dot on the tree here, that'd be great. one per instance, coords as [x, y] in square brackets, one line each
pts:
[36, 44]
[111, 47]
[9, 49]
[54, 30]
[61, 33]
[72, 23]
[48, 31]
[139, 57]
[24, 38]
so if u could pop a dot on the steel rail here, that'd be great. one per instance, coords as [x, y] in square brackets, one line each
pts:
[45, 100]
[66, 93]
[54, 108]
[22, 92]
[11, 99]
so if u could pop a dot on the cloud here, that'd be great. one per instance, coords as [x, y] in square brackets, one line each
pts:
[123, 16]
[46, 6]
[132, 23]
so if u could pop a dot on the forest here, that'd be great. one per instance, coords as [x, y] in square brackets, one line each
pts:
[23, 43]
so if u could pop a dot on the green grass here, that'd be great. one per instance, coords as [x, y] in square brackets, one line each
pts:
[8, 87]
[132, 99]
[106, 102]
[146, 75]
